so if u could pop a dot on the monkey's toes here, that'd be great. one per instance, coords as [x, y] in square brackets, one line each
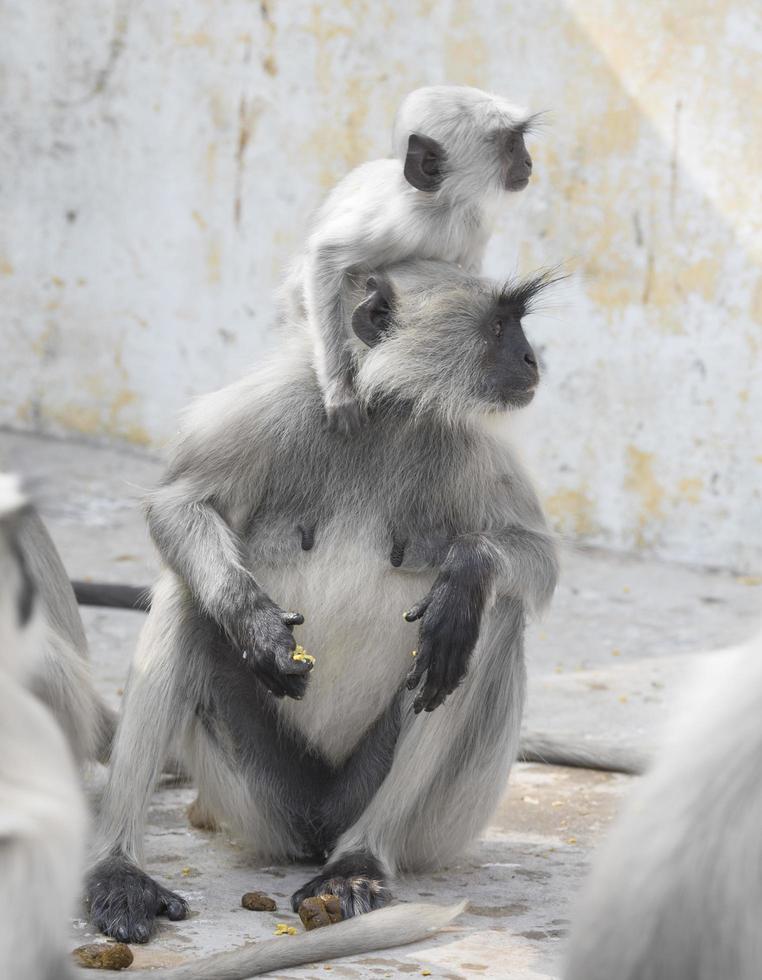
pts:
[356, 880]
[124, 902]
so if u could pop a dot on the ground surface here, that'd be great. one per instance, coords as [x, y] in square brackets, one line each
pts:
[605, 662]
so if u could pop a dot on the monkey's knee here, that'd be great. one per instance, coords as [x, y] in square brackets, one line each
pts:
[124, 901]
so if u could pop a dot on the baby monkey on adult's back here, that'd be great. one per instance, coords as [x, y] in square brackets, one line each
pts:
[456, 150]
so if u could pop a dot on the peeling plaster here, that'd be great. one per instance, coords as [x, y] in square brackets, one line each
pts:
[164, 160]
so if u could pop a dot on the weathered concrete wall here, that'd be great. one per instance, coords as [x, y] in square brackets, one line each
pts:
[158, 160]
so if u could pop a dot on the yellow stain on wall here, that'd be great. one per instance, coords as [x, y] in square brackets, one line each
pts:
[641, 481]
[213, 261]
[689, 489]
[571, 510]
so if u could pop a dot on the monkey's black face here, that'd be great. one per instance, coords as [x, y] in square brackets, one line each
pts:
[510, 367]
[516, 163]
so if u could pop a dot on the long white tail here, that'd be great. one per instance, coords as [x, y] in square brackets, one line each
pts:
[396, 925]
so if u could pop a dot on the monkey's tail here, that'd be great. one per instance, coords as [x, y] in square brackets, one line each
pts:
[115, 596]
[581, 753]
[393, 926]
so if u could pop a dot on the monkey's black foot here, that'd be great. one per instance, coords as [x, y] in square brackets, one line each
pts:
[124, 902]
[357, 880]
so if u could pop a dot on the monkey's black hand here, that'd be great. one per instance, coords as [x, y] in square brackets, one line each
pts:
[450, 618]
[265, 640]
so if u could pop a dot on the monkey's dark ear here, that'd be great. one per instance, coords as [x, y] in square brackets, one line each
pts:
[424, 163]
[372, 318]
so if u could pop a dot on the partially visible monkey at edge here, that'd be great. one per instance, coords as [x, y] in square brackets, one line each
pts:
[42, 809]
[390, 754]
[456, 151]
[676, 889]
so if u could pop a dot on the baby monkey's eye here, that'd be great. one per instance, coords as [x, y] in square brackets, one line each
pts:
[497, 328]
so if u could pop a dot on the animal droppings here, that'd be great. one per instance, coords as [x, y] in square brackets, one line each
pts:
[321, 910]
[258, 902]
[103, 956]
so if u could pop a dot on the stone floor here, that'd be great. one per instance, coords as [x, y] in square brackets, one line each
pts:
[605, 662]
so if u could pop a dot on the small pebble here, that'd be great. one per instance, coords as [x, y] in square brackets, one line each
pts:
[103, 956]
[322, 910]
[258, 902]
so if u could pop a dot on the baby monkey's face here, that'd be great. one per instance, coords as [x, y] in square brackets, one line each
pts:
[514, 160]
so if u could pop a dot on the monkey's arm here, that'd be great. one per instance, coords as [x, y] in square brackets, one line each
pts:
[218, 471]
[204, 551]
[514, 561]
[326, 277]
[520, 562]
[364, 224]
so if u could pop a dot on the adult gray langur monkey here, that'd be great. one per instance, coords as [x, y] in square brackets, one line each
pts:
[42, 810]
[265, 520]
[676, 890]
[456, 150]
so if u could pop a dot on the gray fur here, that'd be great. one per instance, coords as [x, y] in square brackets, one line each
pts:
[343, 766]
[42, 813]
[396, 926]
[676, 890]
[374, 217]
[63, 680]
[581, 753]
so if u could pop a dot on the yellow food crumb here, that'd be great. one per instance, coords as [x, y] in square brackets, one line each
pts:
[623, 698]
[425, 973]
[616, 653]
[571, 840]
[750, 579]
[185, 872]
[283, 929]
[302, 656]
[414, 653]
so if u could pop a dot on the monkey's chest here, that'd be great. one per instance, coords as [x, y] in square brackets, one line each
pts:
[352, 598]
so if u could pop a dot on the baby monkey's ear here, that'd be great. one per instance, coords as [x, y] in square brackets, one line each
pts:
[372, 318]
[424, 163]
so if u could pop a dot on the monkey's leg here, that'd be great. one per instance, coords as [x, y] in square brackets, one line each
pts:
[124, 901]
[449, 771]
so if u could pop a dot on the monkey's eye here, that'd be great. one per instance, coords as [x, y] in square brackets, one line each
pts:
[497, 328]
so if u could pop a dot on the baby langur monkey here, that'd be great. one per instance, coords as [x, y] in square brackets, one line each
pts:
[456, 150]
[42, 811]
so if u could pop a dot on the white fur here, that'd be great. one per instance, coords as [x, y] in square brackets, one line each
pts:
[676, 891]
[42, 811]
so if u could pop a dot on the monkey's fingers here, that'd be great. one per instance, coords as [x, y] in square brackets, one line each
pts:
[434, 689]
[416, 611]
[292, 619]
[420, 666]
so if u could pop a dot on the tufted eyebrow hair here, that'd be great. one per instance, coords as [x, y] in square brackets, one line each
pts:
[520, 295]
